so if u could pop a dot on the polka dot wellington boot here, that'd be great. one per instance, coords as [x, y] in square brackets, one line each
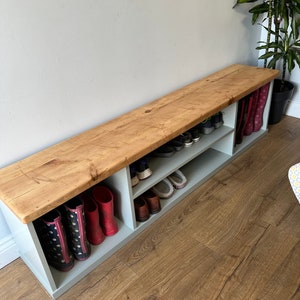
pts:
[262, 100]
[250, 121]
[51, 233]
[76, 231]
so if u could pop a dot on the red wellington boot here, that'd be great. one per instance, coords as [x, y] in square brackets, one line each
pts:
[94, 231]
[105, 200]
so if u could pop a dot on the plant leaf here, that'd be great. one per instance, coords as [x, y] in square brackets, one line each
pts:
[245, 1]
[260, 8]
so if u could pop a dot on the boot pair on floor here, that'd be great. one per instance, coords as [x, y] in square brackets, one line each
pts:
[68, 231]
[250, 113]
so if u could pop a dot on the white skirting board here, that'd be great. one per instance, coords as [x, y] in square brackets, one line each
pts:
[293, 108]
[8, 251]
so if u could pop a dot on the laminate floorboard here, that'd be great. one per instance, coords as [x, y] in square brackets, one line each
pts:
[237, 236]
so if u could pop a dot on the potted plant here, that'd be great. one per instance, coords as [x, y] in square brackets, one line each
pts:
[281, 47]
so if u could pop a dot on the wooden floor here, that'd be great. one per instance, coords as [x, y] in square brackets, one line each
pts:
[235, 237]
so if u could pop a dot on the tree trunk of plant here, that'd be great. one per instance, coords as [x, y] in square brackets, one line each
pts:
[283, 76]
[277, 21]
[269, 30]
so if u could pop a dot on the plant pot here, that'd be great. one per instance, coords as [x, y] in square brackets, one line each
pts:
[279, 101]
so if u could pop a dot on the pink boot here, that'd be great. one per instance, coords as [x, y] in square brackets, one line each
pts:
[94, 232]
[250, 122]
[262, 100]
[247, 114]
[105, 200]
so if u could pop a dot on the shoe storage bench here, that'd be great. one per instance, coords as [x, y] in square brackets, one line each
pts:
[37, 184]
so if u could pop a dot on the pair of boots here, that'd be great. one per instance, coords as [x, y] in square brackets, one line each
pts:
[250, 113]
[80, 217]
[62, 234]
[99, 211]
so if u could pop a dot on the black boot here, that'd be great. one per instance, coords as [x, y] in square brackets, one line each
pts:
[53, 239]
[75, 223]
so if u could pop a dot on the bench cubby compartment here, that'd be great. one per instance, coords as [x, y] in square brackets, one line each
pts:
[254, 136]
[164, 166]
[197, 162]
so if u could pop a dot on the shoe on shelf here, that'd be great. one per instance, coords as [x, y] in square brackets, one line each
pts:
[105, 199]
[250, 120]
[195, 134]
[94, 232]
[134, 179]
[153, 201]
[177, 143]
[53, 238]
[76, 228]
[164, 189]
[141, 209]
[177, 179]
[142, 169]
[217, 120]
[188, 139]
[262, 100]
[163, 151]
[207, 126]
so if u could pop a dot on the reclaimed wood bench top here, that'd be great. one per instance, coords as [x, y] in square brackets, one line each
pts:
[37, 184]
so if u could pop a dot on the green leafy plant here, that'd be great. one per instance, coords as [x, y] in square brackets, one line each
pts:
[286, 48]
[283, 25]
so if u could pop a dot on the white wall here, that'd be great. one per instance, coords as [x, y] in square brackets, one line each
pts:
[70, 65]
[293, 108]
